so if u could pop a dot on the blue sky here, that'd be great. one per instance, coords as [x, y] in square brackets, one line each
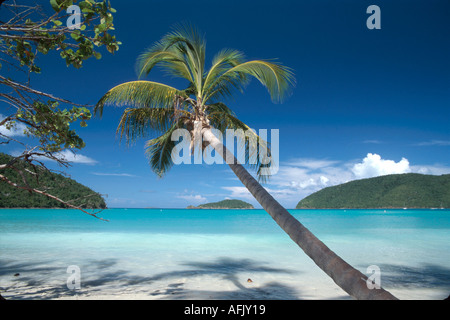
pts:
[366, 103]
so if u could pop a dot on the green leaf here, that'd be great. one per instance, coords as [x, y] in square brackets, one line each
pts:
[101, 28]
[55, 5]
[97, 55]
[159, 152]
[139, 94]
[75, 36]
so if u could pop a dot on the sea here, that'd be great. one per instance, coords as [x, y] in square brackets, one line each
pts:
[216, 254]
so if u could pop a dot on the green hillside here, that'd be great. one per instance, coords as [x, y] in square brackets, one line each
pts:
[224, 204]
[392, 191]
[55, 184]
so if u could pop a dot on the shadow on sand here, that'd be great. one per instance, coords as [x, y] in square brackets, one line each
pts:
[47, 280]
[229, 270]
[42, 281]
[425, 276]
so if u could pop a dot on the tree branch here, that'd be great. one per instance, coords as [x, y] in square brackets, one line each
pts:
[25, 88]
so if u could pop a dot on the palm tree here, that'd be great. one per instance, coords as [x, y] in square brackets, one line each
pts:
[159, 108]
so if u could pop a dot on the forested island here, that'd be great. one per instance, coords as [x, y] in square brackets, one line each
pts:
[409, 190]
[55, 184]
[224, 204]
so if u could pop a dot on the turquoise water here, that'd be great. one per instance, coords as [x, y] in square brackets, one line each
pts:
[172, 253]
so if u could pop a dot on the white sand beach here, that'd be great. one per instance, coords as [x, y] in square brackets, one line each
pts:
[222, 279]
[204, 287]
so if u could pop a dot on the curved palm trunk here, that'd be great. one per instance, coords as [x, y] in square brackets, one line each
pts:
[344, 275]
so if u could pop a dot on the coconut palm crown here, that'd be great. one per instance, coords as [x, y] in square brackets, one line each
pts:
[155, 107]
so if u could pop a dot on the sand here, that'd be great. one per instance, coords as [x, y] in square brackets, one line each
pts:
[189, 284]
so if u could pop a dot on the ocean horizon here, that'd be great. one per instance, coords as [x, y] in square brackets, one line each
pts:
[162, 253]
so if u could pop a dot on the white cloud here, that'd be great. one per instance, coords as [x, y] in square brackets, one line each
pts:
[113, 174]
[16, 131]
[372, 141]
[311, 163]
[310, 174]
[324, 180]
[69, 156]
[239, 193]
[434, 143]
[193, 199]
[65, 155]
[431, 169]
[373, 166]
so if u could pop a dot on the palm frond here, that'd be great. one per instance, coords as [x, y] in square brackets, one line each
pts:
[257, 150]
[192, 45]
[140, 94]
[277, 78]
[221, 63]
[221, 117]
[181, 53]
[159, 151]
[143, 122]
[170, 60]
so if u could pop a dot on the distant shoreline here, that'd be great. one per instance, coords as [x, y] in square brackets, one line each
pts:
[58, 208]
[233, 204]
[386, 208]
[153, 208]
[190, 208]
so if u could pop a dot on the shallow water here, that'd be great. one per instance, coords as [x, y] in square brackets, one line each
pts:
[210, 254]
